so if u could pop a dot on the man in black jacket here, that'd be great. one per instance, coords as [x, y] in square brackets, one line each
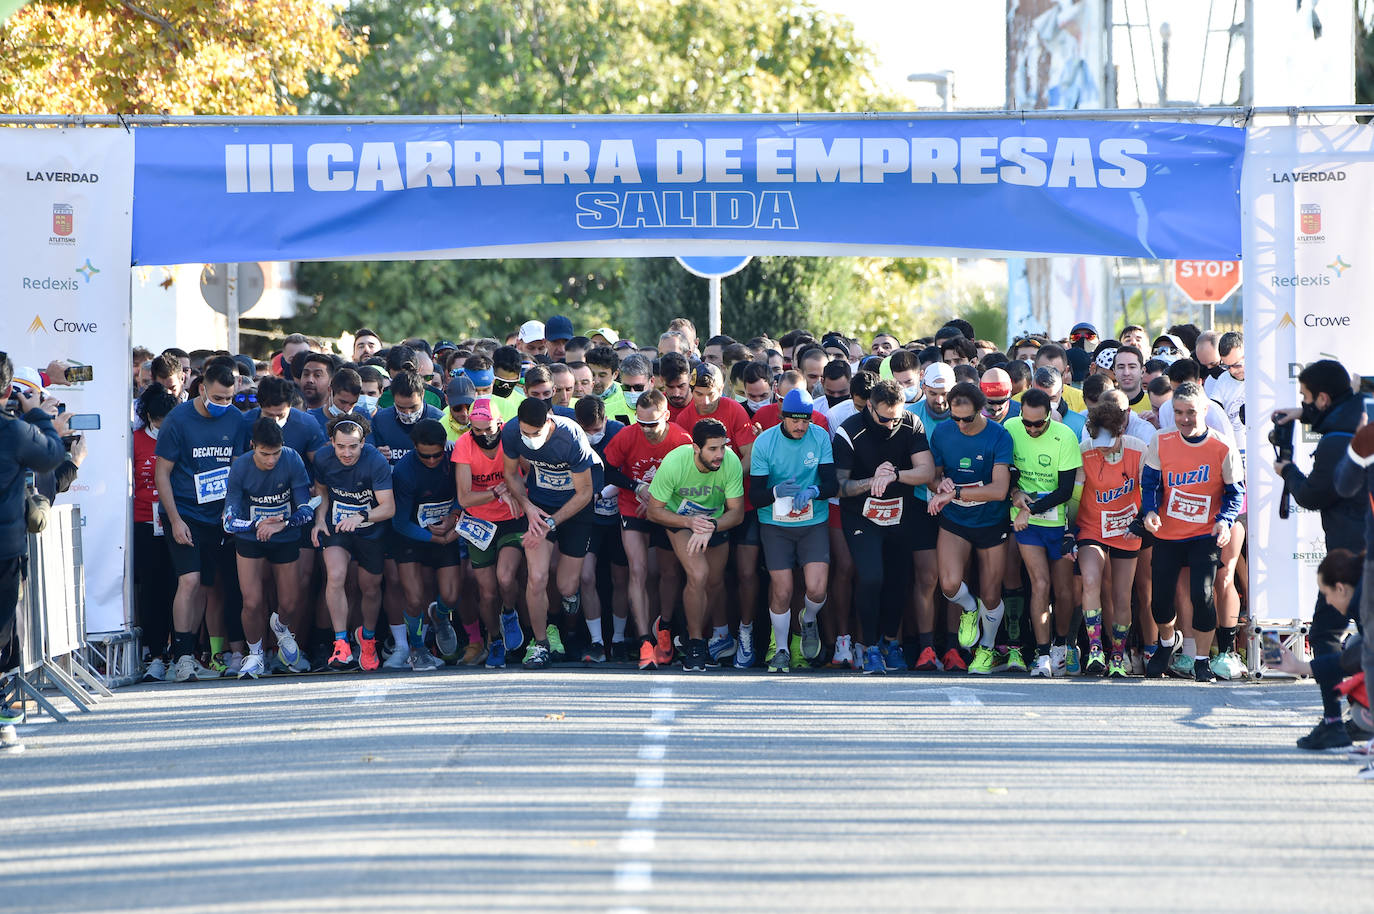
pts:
[1331, 409]
[27, 442]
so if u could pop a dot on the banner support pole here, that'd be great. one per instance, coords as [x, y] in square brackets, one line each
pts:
[713, 315]
[231, 309]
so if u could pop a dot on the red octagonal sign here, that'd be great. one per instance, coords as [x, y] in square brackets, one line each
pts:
[1207, 281]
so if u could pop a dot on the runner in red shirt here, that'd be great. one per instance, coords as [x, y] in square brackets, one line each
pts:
[152, 585]
[632, 458]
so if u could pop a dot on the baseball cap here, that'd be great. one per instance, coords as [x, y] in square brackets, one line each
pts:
[558, 328]
[443, 345]
[532, 331]
[461, 391]
[1172, 341]
[938, 376]
[27, 377]
[1082, 327]
[797, 404]
[481, 411]
[623, 344]
[705, 374]
[995, 383]
[605, 333]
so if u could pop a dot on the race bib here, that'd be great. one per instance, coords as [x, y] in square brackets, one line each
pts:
[884, 512]
[1049, 514]
[1189, 507]
[259, 513]
[212, 485]
[476, 531]
[607, 507]
[783, 512]
[433, 512]
[689, 508]
[157, 522]
[553, 480]
[1114, 523]
[341, 509]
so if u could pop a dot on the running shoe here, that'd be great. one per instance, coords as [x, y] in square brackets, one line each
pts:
[1097, 661]
[1059, 654]
[1015, 663]
[1138, 661]
[722, 647]
[399, 659]
[810, 638]
[1366, 773]
[342, 658]
[794, 650]
[744, 655]
[252, 667]
[928, 662]
[1325, 735]
[620, 652]
[189, 669]
[780, 662]
[537, 657]
[367, 651]
[473, 654]
[1043, 668]
[445, 637]
[1202, 670]
[844, 653]
[1117, 668]
[219, 664]
[10, 717]
[968, 628]
[512, 635]
[595, 653]
[288, 651]
[422, 661]
[663, 644]
[1181, 666]
[1362, 751]
[496, 655]
[873, 661]
[555, 638]
[647, 653]
[694, 658]
[156, 670]
[1159, 661]
[1072, 660]
[954, 662]
[893, 658]
[1229, 666]
[982, 661]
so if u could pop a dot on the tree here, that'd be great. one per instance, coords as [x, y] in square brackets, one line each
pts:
[176, 57]
[613, 56]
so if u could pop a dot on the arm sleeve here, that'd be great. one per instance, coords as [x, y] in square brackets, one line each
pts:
[829, 485]
[304, 513]
[1151, 489]
[1232, 499]
[618, 479]
[234, 520]
[761, 493]
[1060, 496]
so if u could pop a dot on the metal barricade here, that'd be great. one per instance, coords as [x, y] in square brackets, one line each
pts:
[51, 619]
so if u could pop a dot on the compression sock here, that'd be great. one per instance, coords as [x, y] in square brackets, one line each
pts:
[1226, 638]
[474, 631]
[1093, 619]
[992, 620]
[782, 623]
[415, 630]
[217, 645]
[963, 598]
[811, 609]
[400, 636]
[1119, 635]
[572, 605]
[926, 640]
[255, 647]
[594, 629]
[1015, 602]
[619, 623]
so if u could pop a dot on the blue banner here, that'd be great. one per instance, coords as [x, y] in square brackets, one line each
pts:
[1135, 189]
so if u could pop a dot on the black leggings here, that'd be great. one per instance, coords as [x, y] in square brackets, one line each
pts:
[1201, 556]
[154, 587]
[882, 576]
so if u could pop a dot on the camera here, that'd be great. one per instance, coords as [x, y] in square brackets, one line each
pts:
[1281, 437]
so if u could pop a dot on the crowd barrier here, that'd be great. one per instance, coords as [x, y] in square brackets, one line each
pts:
[51, 621]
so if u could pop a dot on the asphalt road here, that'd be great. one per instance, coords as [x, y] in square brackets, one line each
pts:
[616, 792]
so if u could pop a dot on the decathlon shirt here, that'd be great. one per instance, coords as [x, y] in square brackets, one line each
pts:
[390, 432]
[424, 495]
[549, 482]
[353, 489]
[203, 448]
[258, 495]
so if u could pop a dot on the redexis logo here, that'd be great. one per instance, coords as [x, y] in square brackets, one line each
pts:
[1338, 266]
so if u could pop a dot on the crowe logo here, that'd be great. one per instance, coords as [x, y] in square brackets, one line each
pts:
[36, 326]
[1286, 321]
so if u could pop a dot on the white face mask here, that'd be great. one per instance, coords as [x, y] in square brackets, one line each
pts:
[597, 438]
[1103, 438]
[534, 444]
[367, 404]
[152, 431]
[755, 405]
[334, 411]
[409, 418]
[281, 423]
[911, 393]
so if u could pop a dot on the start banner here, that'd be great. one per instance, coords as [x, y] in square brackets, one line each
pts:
[64, 257]
[1309, 192]
[638, 188]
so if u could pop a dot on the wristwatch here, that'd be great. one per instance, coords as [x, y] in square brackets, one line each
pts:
[553, 524]
[958, 493]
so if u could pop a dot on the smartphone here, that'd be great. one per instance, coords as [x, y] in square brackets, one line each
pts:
[1369, 408]
[84, 422]
[1272, 648]
[77, 374]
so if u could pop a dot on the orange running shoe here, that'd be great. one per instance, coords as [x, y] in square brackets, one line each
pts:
[954, 662]
[926, 663]
[663, 652]
[647, 658]
[367, 651]
[342, 658]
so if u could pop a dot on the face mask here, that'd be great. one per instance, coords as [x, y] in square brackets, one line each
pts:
[502, 388]
[741, 399]
[1311, 415]
[1103, 438]
[409, 418]
[215, 409]
[368, 404]
[597, 438]
[632, 397]
[333, 411]
[853, 368]
[835, 401]
[1215, 371]
[755, 405]
[281, 423]
[487, 442]
[911, 393]
[152, 431]
[534, 444]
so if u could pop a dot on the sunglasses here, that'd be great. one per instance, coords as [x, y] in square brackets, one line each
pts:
[430, 458]
[651, 424]
[882, 421]
[972, 418]
[1029, 424]
[1001, 402]
[639, 387]
[246, 397]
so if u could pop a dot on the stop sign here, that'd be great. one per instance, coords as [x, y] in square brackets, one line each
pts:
[1207, 281]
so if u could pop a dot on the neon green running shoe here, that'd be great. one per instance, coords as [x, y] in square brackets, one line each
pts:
[795, 652]
[982, 661]
[1015, 662]
[968, 628]
[556, 652]
[1117, 667]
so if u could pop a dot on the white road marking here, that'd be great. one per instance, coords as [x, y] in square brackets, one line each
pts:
[644, 808]
[373, 693]
[656, 733]
[652, 752]
[648, 778]
[634, 876]
[663, 715]
[637, 841]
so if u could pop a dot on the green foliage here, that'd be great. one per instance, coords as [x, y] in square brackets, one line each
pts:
[600, 57]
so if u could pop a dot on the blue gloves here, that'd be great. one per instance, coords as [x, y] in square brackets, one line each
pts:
[802, 500]
[787, 489]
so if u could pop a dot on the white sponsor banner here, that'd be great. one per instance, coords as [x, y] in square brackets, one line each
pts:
[65, 244]
[1308, 247]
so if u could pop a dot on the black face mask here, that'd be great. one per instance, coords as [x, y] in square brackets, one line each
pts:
[502, 388]
[1215, 371]
[486, 442]
[1311, 415]
[835, 401]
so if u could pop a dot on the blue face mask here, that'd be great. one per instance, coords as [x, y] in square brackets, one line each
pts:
[215, 409]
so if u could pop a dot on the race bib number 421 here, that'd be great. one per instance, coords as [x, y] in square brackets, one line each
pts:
[212, 485]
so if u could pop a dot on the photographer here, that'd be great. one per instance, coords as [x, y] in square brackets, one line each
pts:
[1331, 410]
[28, 441]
